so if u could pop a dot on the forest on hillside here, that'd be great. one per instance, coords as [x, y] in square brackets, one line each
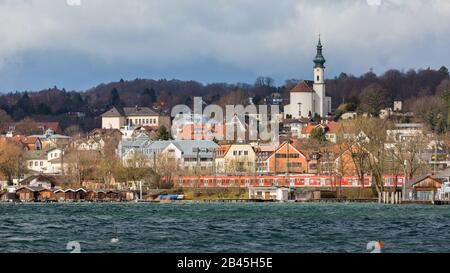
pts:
[426, 92]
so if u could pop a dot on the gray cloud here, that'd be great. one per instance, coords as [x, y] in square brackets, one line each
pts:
[268, 37]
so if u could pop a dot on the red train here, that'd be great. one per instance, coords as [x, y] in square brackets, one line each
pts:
[292, 180]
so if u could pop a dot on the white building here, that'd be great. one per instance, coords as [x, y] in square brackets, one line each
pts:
[45, 161]
[308, 98]
[185, 154]
[116, 118]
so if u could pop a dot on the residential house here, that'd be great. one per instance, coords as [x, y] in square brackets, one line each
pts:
[294, 126]
[39, 180]
[330, 129]
[236, 159]
[287, 158]
[104, 134]
[188, 155]
[87, 144]
[404, 131]
[46, 161]
[263, 151]
[26, 142]
[10, 128]
[51, 140]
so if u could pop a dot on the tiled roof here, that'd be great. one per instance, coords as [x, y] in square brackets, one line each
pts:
[139, 111]
[304, 87]
[113, 112]
[309, 128]
[224, 149]
[129, 111]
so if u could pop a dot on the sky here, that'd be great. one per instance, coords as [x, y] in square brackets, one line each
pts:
[78, 44]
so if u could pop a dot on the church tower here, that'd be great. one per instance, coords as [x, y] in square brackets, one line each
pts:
[319, 82]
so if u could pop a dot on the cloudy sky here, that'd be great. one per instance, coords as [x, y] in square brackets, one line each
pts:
[59, 42]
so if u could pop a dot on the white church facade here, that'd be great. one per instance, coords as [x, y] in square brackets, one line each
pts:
[308, 98]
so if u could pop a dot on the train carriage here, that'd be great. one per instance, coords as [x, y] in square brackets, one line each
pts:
[292, 180]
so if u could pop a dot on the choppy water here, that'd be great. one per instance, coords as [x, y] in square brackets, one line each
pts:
[209, 227]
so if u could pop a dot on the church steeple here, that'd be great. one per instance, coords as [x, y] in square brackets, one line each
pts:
[319, 60]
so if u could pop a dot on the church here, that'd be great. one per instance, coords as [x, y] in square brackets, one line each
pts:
[308, 98]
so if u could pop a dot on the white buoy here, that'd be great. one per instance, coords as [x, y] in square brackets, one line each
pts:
[114, 240]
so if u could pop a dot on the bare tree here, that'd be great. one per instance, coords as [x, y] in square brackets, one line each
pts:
[11, 161]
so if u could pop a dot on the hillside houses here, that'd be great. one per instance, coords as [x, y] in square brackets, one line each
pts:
[185, 154]
[47, 161]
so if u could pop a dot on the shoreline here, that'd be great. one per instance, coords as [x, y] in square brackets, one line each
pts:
[241, 201]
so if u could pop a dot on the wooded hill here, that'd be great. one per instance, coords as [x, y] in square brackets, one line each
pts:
[425, 92]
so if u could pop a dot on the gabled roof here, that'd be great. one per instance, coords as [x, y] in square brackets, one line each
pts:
[420, 178]
[114, 112]
[39, 177]
[304, 87]
[309, 128]
[295, 145]
[224, 149]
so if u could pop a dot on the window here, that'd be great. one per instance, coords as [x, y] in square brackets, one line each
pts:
[31, 164]
[318, 78]
[42, 164]
[35, 163]
[234, 152]
[151, 121]
[245, 152]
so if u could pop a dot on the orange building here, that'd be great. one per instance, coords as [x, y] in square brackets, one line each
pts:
[287, 158]
[350, 161]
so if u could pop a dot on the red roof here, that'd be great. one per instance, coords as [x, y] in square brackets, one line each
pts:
[303, 86]
[224, 150]
[331, 127]
[308, 128]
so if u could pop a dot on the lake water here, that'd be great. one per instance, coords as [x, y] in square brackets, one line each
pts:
[218, 227]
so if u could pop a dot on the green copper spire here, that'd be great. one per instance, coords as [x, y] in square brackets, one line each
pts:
[319, 60]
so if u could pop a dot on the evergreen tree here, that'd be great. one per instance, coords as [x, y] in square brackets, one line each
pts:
[373, 97]
[318, 134]
[115, 98]
[163, 134]
[444, 70]
[149, 96]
